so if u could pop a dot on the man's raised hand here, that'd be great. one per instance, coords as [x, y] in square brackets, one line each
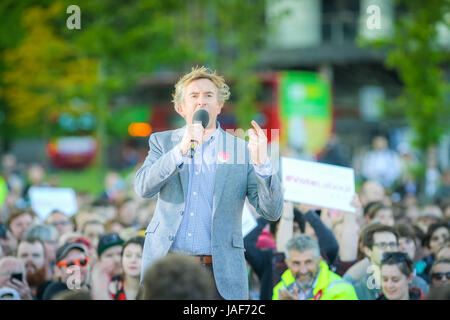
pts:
[257, 144]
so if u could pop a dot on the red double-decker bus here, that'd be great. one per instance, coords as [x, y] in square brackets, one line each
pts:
[158, 91]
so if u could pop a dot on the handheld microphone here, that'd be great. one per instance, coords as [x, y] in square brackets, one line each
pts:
[199, 116]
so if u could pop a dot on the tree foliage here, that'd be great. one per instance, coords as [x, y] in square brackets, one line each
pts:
[44, 72]
[120, 42]
[415, 53]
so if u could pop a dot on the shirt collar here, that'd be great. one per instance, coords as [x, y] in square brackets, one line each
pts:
[214, 136]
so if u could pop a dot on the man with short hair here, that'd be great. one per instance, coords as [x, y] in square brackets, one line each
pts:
[71, 270]
[13, 275]
[308, 276]
[93, 230]
[49, 236]
[202, 176]
[177, 277]
[32, 253]
[376, 240]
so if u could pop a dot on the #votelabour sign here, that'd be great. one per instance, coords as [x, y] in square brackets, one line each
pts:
[318, 184]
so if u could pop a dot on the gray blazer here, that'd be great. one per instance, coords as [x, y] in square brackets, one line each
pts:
[235, 180]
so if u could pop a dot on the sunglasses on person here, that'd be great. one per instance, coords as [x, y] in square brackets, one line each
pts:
[78, 262]
[440, 276]
[396, 256]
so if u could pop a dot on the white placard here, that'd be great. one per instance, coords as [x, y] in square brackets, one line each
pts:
[46, 199]
[318, 184]
[248, 220]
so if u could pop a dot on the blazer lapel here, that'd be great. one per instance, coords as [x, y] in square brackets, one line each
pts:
[223, 163]
[184, 172]
[184, 179]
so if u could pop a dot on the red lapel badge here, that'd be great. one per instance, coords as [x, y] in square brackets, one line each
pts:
[223, 157]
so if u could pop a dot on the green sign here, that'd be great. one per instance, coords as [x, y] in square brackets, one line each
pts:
[304, 94]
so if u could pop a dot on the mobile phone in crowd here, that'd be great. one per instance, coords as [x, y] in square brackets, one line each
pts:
[18, 276]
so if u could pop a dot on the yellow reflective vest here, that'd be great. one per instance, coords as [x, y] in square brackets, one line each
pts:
[329, 285]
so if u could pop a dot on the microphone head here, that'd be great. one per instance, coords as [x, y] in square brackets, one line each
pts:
[201, 116]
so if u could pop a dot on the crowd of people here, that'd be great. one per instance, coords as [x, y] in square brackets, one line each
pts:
[392, 247]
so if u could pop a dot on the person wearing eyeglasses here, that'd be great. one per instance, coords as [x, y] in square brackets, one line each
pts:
[396, 278]
[71, 270]
[60, 221]
[377, 239]
[440, 273]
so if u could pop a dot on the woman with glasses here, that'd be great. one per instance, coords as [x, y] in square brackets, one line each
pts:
[440, 273]
[126, 285]
[396, 275]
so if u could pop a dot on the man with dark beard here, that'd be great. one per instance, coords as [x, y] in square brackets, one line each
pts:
[31, 252]
[308, 276]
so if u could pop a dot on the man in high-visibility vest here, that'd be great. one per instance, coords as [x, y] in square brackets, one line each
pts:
[308, 277]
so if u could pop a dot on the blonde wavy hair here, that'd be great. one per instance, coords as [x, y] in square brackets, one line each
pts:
[223, 91]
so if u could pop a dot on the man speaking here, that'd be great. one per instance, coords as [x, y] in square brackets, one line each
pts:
[202, 176]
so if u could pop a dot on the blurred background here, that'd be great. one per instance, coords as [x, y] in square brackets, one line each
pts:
[356, 83]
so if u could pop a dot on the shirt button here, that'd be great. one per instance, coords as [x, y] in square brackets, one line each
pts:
[189, 234]
[181, 212]
[171, 238]
[195, 193]
[196, 172]
[192, 214]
